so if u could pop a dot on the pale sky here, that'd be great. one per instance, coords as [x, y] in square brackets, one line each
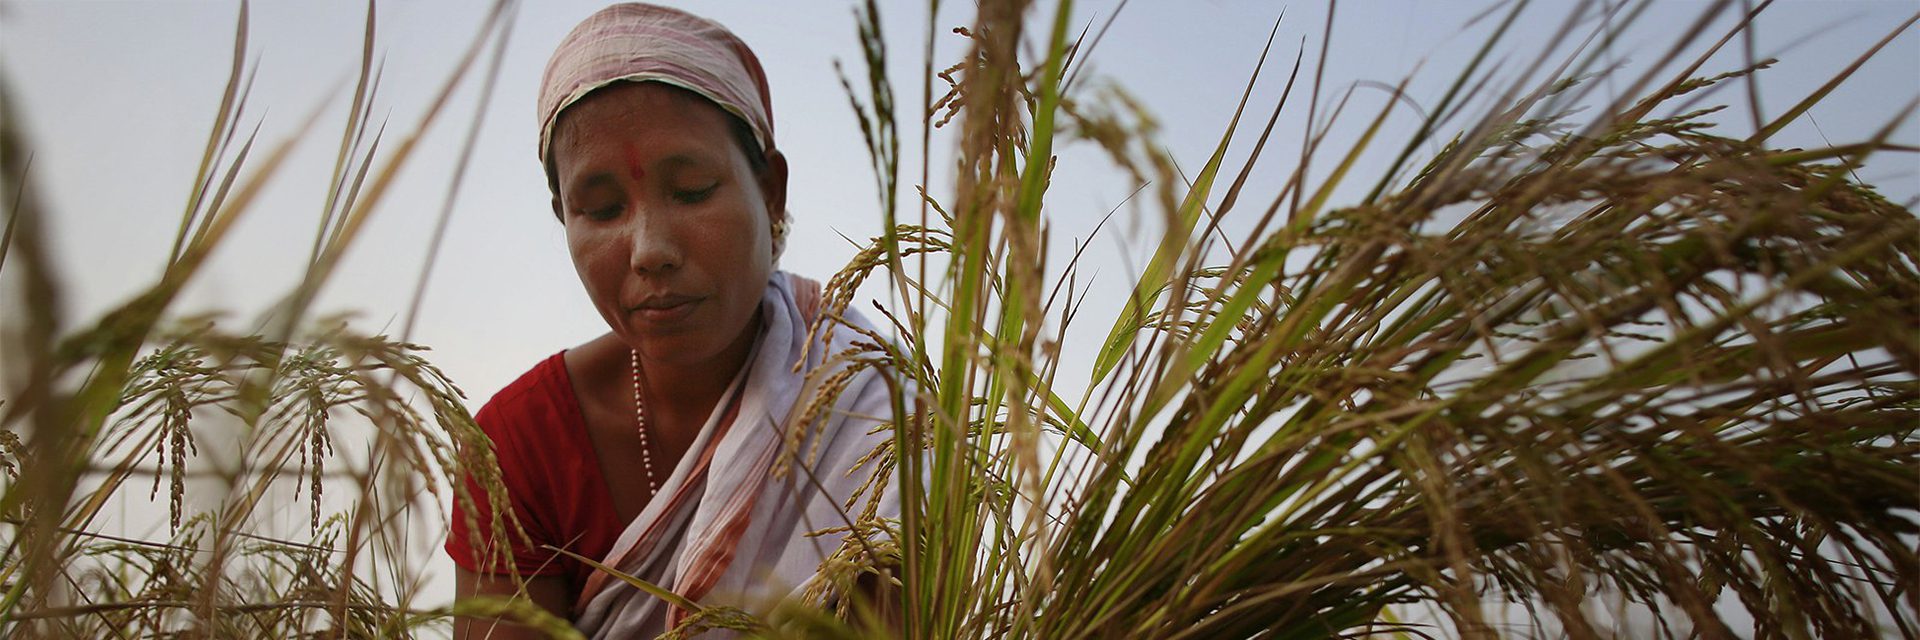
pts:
[118, 98]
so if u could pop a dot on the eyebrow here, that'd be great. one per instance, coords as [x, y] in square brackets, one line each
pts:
[683, 160]
[598, 179]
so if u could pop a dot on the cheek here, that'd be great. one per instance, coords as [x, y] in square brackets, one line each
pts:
[754, 239]
[592, 257]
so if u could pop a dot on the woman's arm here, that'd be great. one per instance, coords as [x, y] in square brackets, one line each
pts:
[550, 592]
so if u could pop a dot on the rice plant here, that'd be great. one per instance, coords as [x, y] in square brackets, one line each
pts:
[1598, 368]
[122, 405]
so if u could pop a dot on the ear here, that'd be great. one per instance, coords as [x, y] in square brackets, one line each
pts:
[553, 188]
[773, 184]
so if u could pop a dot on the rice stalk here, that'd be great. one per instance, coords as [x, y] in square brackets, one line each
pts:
[1616, 359]
[136, 394]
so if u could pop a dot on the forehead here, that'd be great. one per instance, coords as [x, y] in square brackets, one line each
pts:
[649, 113]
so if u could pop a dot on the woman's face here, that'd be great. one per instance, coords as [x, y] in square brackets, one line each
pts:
[668, 224]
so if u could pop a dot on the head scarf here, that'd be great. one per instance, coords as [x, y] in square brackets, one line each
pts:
[635, 42]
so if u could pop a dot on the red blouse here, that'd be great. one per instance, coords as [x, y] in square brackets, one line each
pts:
[552, 478]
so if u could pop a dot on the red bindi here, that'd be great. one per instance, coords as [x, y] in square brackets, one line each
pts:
[634, 168]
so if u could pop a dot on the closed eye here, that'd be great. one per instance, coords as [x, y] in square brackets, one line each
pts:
[692, 196]
[602, 214]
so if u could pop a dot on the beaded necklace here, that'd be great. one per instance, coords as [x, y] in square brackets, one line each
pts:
[640, 424]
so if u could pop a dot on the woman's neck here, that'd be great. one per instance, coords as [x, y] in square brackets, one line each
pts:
[679, 391]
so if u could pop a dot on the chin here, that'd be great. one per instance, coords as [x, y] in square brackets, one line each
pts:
[699, 342]
[683, 349]
[675, 348]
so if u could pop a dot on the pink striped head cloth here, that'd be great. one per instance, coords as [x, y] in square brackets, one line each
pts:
[636, 42]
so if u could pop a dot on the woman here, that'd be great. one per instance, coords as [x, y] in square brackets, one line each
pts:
[653, 447]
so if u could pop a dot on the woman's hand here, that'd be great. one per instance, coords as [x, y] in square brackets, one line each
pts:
[550, 592]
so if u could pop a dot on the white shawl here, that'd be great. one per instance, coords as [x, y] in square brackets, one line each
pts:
[722, 529]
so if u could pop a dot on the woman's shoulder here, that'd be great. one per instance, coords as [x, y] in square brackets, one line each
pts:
[538, 397]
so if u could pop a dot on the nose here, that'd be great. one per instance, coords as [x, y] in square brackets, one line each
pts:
[656, 248]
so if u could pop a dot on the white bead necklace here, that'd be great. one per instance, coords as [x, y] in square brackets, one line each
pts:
[640, 423]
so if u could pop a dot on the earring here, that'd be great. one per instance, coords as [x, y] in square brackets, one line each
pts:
[780, 226]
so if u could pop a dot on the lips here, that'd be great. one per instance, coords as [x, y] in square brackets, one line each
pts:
[665, 308]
